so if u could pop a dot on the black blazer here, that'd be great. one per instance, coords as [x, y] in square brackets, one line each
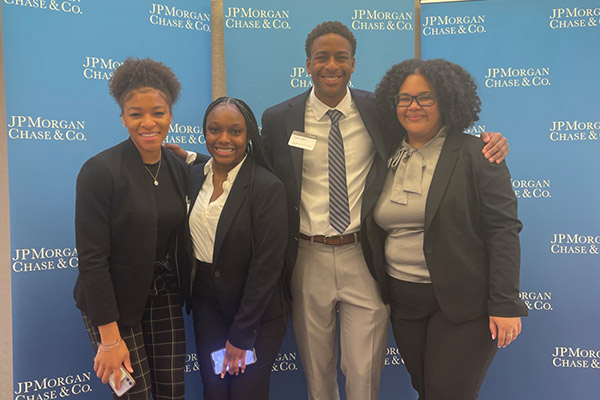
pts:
[278, 123]
[116, 230]
[471, 241]
[248, 253]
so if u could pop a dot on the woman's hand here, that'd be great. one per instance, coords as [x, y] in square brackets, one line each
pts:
[496, 148]
[109, 361]
[233, 357]
[505, 329]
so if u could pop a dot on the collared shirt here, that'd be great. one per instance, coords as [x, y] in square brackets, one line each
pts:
[205, 215]
[359, 153]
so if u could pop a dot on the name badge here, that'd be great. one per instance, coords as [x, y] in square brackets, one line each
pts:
[302, 140]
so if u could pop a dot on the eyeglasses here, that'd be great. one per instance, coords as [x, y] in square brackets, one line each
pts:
[426, 99]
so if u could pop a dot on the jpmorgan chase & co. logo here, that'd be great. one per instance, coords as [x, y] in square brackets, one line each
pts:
[531, 188]
[285, 362]
[185, 134]
[54, 387]
[28, 127]
[251, 18]
[442, 25]
[509, 77]
[574, 243]
[392, 357]
[191, 363]
[300, 78]
[575, 357]
[43, 259]
[62, 6]
[173, 17]
[99, 67]
[537, 301]
[574, 131]
[575, 18]
[376, 20]
[475, 129]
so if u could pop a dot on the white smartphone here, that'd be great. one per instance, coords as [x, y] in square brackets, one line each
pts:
[127, 382]
[218, 356]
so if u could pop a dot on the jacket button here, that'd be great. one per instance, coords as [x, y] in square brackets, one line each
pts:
[428, 250]
[217, 274]
[254, 332]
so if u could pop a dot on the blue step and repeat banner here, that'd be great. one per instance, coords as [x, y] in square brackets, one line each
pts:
[536, 67]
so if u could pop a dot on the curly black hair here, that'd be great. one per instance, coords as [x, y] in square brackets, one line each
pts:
[453, 87]
[326, 28]
[144, 73]
[255, 149]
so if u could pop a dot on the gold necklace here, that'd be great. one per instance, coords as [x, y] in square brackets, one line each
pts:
[157, 171]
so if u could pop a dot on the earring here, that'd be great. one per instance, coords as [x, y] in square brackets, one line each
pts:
[249, 147]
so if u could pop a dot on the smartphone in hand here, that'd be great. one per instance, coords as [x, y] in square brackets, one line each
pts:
[127, 382]
[218, 356]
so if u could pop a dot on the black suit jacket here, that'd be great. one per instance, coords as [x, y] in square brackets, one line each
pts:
[116, 233]
[278, 123]
[248, 253]
[471, 241]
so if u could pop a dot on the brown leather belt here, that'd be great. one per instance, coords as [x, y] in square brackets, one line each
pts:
[339, 240]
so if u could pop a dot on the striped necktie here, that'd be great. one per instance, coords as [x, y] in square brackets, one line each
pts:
[339, 212]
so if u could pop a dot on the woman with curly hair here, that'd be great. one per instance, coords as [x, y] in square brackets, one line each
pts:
[448, 233]
[129, 217]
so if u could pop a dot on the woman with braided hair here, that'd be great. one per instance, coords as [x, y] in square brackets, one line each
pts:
[129, 220]
[238, 228]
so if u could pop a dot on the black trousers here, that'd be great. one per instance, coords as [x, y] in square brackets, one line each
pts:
[446, 360]
[211, 331]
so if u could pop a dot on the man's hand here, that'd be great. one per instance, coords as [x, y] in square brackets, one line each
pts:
[496, 148]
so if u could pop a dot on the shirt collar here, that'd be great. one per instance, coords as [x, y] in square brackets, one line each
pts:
[319, 109]
[231, 175]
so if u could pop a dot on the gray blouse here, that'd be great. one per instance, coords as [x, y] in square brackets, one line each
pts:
[400, 209]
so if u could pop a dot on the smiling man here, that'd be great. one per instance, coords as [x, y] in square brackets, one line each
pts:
[325, 267]
[333, 165]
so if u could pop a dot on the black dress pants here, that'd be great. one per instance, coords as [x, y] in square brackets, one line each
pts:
[446, 360]
[211, 332]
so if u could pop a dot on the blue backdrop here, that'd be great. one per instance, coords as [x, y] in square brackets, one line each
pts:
[533, 62]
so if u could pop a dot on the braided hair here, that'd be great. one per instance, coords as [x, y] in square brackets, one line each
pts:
[255, 148]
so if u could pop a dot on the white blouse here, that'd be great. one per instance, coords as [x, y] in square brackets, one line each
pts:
[205, 215]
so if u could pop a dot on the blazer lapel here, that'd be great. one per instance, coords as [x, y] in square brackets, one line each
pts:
[234, 201]
[294, 121]
[441, 175]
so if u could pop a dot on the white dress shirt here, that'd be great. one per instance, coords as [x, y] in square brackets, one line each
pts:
[359, 153]
[205, 215]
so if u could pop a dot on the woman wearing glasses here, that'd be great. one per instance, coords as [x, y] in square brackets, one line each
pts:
[448, 233]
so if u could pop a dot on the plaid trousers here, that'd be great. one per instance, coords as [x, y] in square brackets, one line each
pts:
[156, 349]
